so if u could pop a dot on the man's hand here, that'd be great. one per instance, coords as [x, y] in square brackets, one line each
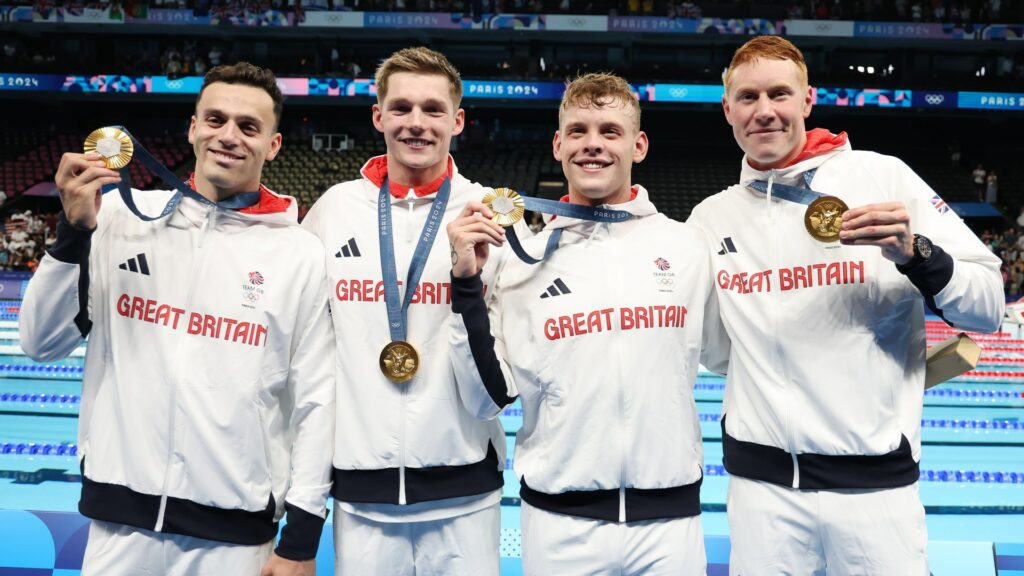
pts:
[278, 566]
[471, 235]
[886, 225]
[79, 178]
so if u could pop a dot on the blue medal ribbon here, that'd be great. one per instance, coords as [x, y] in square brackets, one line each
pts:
[240, 200]
[397, 312]
[791, 193]
[567, 210]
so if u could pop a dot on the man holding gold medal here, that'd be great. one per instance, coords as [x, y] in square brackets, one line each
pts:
[208, 394]
[417, 479]
[597, 325]
[824, 259]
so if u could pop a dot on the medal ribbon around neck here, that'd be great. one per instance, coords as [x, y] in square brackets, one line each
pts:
[397, 311]
[508, 206]
[823, 217]
[240, 200]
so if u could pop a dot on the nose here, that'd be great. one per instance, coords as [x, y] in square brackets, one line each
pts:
[763, 109]
[592, 143]
[416, 117]
[229, 134]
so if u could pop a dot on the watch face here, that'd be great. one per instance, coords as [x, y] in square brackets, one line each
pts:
[923, 246]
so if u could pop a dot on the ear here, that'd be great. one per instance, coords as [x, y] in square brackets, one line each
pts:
[556, 145]
[275, 147]
[192, 131]
[726, 108]
[377, 113]
[460, 122]
[640, 147]
[808, 101]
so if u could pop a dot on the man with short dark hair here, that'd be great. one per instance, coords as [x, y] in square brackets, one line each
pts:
[208, 397]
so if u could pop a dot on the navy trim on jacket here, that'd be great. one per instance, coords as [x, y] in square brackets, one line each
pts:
[468, 301]
[930, 277]
[641, 503]
[72, 246]
[122, 505]
[819, 471]
[421, 484]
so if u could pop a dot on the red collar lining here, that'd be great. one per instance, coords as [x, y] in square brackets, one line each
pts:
[819, 141]
[376, 170]
[269, 203]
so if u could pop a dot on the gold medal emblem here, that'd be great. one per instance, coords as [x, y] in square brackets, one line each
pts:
[399, 361]
[508, 206]
[114, 145]
[824, 218]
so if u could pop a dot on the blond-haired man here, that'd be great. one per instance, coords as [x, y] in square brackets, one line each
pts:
[417, 479]
[601, 343]
[822, 412]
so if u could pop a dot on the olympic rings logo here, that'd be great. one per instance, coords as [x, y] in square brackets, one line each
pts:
[934, 99]
[664, 281]
[678, 92]
[577, 22]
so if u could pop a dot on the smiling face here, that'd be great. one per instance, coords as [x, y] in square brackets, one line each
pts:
[766, 103]
[233, 134]
[597, 146]
[418, 118]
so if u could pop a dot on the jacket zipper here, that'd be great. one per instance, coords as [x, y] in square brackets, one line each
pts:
[620, 391]
[211, 217]
[776, 351]
[404, 390]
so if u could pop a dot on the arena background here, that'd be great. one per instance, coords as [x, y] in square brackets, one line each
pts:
[939, 84]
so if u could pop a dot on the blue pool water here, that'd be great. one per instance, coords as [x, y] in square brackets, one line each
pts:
[972, 469]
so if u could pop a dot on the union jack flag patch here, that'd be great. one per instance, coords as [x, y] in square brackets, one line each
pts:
[939, 204]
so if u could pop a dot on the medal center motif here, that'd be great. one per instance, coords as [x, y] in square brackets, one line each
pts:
[108, 147]
[503, 205]
[824, 218]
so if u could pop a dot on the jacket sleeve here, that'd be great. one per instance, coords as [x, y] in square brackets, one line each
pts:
[483, 377]
[961, 281]
[311, 421]
[715, 343]
[54, 317]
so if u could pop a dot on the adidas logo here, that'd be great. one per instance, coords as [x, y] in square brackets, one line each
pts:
[558, 288]
[136, 264]
[349, 250]
[727, 246]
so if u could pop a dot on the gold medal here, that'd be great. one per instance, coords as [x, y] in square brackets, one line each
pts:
[114, 145]
[508, 206]
[399, 361]
[824, 218]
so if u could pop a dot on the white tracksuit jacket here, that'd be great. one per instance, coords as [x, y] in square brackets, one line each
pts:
[399, 443]
[208, 398]
[601, 341]
[826, 377]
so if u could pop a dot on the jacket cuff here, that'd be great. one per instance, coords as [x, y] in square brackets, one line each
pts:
[300, 537]
[467, 292]
[72, 245]
[932, 275]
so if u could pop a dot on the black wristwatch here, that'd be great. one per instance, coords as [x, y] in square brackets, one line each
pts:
[922, 252]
